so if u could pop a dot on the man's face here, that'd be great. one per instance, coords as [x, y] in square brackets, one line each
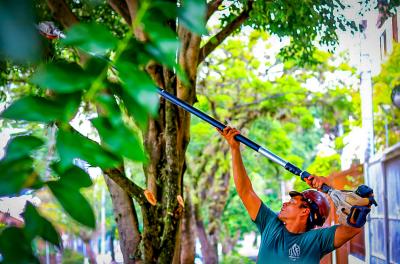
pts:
[292, 209]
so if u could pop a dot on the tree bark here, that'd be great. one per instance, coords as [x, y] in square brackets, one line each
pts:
[208, 252]
[127, 222]
[62, 13]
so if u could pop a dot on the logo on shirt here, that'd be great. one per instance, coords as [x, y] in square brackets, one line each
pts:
[294, 252]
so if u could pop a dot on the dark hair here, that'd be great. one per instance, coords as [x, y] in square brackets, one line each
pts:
[310, 224]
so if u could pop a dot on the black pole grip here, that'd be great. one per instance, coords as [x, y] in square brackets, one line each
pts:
[247, 142]
[293, 169]
[305, 174]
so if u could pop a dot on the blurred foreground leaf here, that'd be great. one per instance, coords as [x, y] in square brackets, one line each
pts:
[15, 247]
[36, 225]
[74, 203]
[193, 15]
[74, 177]
[139, 86]
[16, 175]
[21, 146]
[72, 145]
[62, 77]
[92, 38]
[39, 109]
[19, 39]
[119, 139]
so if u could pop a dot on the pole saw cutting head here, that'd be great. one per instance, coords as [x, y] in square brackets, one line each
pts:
[353, 207]
[49, 30]
[318, 204]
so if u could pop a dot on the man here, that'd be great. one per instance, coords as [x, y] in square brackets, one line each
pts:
[289, 236]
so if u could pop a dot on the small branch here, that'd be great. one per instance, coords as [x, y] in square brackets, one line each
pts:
[212, 7]
[258, 101]
[216, 40]
[121, 8]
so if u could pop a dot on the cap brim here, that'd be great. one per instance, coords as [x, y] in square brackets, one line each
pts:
[295, 193]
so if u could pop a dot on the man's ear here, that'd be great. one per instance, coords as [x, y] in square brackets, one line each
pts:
[305, 211]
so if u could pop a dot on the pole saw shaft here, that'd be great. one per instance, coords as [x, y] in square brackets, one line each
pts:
[251, 144]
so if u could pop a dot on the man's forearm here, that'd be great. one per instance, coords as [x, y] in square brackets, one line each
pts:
[345, 233]
[241, 179]
[243, 185]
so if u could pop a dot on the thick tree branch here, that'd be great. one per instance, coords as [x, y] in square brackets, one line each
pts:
[212, 7]
[62, 13]
[127, 185]
[121, 8]
[216, 40]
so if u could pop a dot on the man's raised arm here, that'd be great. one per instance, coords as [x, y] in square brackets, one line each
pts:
[242, 182]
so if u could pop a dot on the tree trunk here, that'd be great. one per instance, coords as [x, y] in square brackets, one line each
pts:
[188, 233]
[209, 253]
[127, 222]
[229, 243]
[89, 251]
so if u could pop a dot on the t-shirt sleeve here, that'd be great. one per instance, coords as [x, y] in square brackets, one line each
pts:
[265, 217]
[327, 238]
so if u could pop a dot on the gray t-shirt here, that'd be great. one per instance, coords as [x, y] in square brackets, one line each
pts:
[280, 246]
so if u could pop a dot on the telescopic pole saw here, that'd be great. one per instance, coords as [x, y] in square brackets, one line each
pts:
[263, 151]
[352, 207]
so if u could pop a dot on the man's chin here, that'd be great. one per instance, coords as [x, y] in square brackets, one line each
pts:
[280, 215]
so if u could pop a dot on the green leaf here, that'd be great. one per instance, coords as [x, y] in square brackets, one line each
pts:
[95, 65]
[110, 108]
[32, 108]
[92, 38]
[74, 176]
[168, 9]
[74, 203]
[16, 175]
[62, 77]
[72, 145]
[134, 109]
[15, 247]
[21, 146]
[119, 139]
[69, 103]
[139, 86]
[193, 15]
[164, 43]
[37, 225]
